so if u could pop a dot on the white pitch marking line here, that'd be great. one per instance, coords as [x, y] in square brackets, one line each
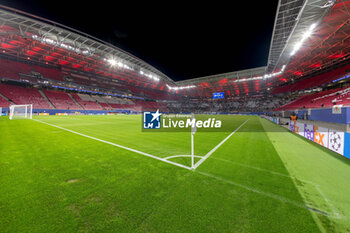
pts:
[267, 194]
[179, 156]
[217, 146]
[264, 170]
[120, 146]
[335, 212]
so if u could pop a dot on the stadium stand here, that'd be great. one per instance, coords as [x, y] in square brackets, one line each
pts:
[61, 100]
[71, 101]
[11, 69]
[86, 102]
[49, 73]
[324, 99]
[314, 81]
[23, 95]
[106, 106]
[4, 103]
[257, 103]
[40, 63]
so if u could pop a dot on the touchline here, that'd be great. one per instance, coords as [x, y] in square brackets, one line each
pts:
[210, 123]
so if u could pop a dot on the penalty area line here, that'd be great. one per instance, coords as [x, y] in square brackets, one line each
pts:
[117, 145]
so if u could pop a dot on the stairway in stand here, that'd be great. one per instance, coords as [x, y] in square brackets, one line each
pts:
[47, 100]
[75, 101]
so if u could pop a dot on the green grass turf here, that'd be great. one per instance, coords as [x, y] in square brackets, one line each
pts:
[326, 169]
[56, 181]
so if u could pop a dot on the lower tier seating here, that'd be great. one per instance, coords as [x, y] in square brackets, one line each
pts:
[61, 100]
[23, 95]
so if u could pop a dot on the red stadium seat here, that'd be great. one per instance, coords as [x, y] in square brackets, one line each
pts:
[324, 99]
[61, 100]
[87, 105]
[4, 103]
[313, 81]
[22, 95]
[11, 69]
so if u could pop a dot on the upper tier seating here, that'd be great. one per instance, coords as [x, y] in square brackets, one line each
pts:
[49, 73]
[324, 99]
[10, 69]
[313, 81]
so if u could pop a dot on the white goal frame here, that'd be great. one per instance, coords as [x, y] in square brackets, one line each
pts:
[28, 111]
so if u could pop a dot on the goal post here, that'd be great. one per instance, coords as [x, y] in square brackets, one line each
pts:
[24, 111]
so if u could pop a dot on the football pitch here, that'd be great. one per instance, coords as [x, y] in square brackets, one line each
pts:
[103, 174]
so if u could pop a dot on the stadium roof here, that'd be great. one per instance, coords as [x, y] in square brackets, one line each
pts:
[327, 47]
[293, 20]
[236, 75]
[303, 37]
[15, 22]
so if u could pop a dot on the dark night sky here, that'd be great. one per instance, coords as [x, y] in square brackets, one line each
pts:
[180, 39]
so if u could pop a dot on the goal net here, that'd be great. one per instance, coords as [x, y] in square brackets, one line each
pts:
[21, 111]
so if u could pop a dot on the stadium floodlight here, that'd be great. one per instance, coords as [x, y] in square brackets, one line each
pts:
[112, 62]
[151, 76]
[306, 35]
[180, 87]
[54, 42]
[21, 111]
[264, 77]
[329, 4]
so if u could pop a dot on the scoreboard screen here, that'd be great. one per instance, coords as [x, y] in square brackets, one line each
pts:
[219, 95]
